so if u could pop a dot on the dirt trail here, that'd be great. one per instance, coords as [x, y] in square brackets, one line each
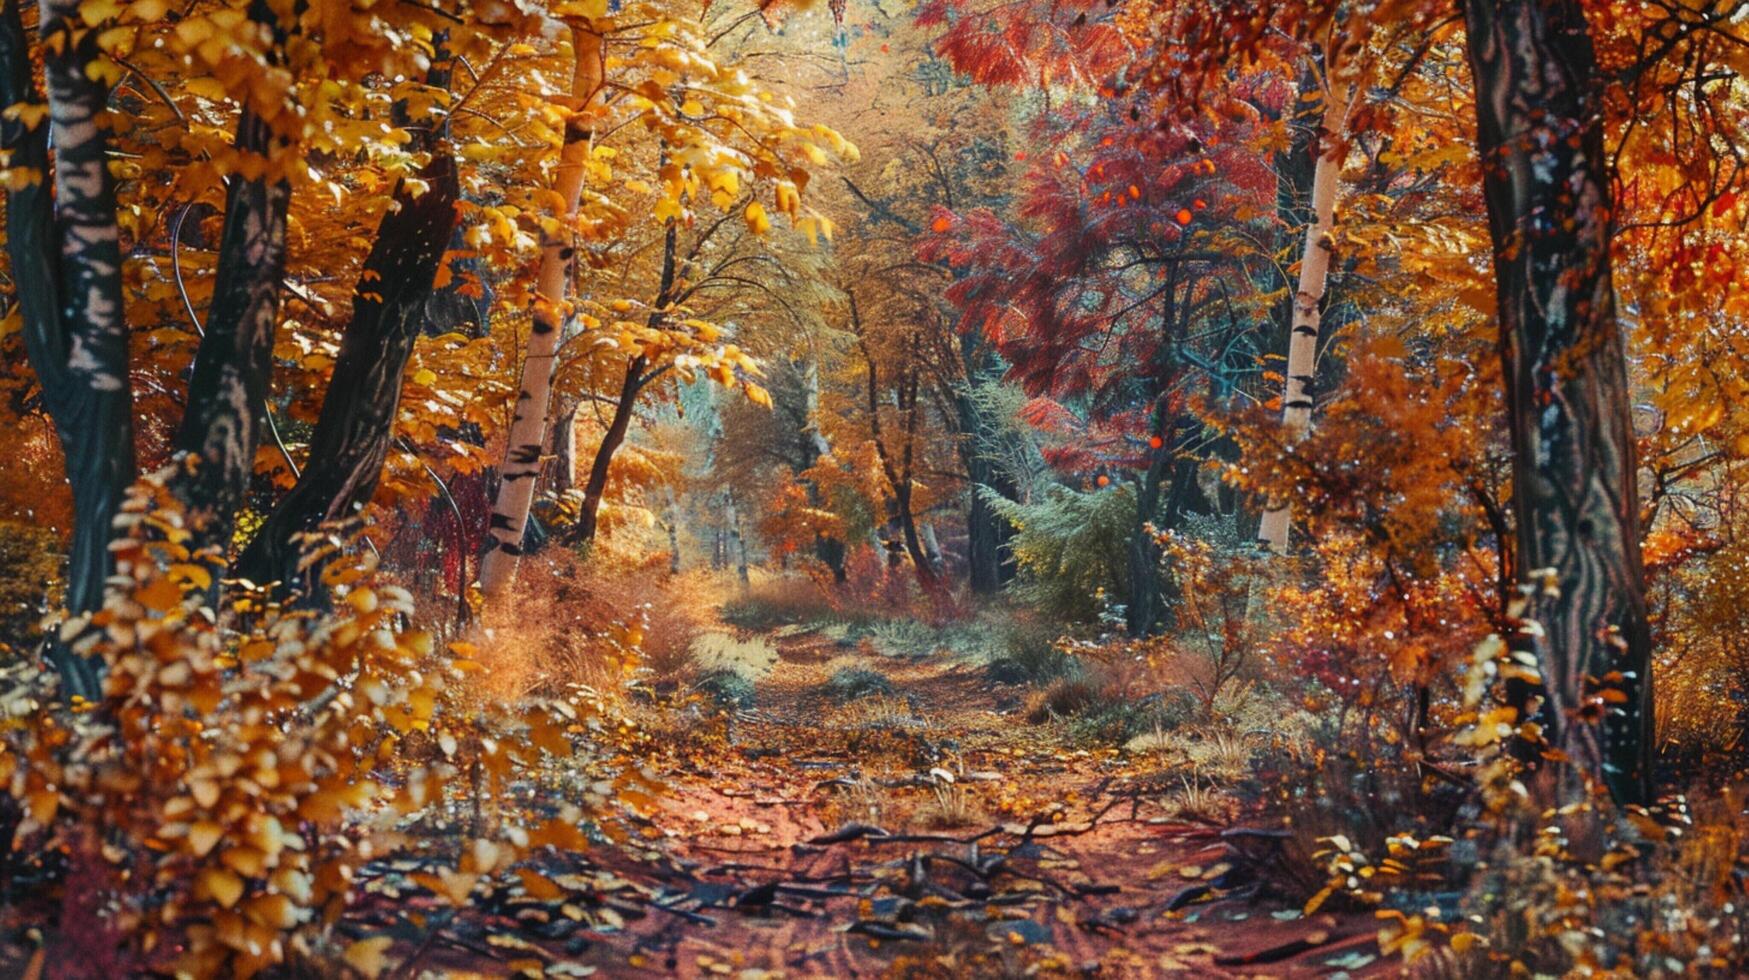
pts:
[815, 842]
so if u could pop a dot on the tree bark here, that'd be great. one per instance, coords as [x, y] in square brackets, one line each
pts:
[896, 467]
[615, 436]
[738, 540]
[1302, 351]
[522, 452]
[673, 523]
[357, 422]
[228, 387]
[564, 439]
[988, 565]
[66, 258]
[1547, 182]
[633, 385]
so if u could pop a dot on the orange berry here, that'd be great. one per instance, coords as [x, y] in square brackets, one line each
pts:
[940, 225]
[1156, 442]
[1183, 216]
[1104, 481]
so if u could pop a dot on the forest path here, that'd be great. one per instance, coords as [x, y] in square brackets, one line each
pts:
[821, 839]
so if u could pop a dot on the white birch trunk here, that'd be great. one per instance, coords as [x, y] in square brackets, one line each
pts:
[1302, 349]
[522, 452]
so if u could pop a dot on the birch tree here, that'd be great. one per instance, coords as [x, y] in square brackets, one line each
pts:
[1302, 351]
[528, 427]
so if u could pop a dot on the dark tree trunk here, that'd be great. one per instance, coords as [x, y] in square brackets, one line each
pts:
[1547, 182]
[1142, 611]
[1294, 168]
[66, 259]
[635, 380]
[563, 454]
[907, 521]
[615, 436]
[989, 566]
[227, 390]
[988, 562]
[451, 309]
[352, 434]
[828, 550]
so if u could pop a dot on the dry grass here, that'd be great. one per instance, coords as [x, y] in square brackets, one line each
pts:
[572, 622]
[949, 806]
[752, 657]
[859, 799]
[1219, 752]
[1199, 798]
[881, 711]
[1068, 696]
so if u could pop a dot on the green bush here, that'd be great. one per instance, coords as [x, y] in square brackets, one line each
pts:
[905, 639]
[1029, 655]
[1071, 548]
[851, 683]
[731, 690]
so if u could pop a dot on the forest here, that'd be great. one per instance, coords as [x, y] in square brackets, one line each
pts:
[883, 488]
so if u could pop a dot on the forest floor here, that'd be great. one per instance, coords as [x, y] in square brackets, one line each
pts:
[927, 828]
[819, 837]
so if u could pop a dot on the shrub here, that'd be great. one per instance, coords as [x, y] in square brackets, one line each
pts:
[582, 622]
[1071, 549]
[779, 601]
[212, 802]
[851, 683]
[905, 639]
[1029, 655]
[752, 657]
[1096, 711]
[1066, 697]
[29, 562]
[730, 689]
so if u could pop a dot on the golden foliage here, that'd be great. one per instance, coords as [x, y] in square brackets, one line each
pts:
[229, 775]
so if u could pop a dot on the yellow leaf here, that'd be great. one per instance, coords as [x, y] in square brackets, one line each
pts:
[206, 88]
[1313, 904]
[196, 575]
[369, 956]
[203, 837]
[222, 885]
[757, 221]
[160, 595]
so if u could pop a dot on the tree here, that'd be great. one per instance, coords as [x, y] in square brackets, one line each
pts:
[64, 246]
[1329, 150]
[528, 428]
[352, 436]
[1550, 208]
[1120, 294]
[711, 132]
[209, 70]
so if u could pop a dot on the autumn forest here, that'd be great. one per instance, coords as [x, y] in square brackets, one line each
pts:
[883, 488]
